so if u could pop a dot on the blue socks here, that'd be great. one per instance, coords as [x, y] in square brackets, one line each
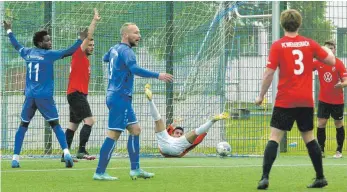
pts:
[105, 154]
[21, 133]
[18, 141]
[134, 151]
[108, 147]
[59, 133]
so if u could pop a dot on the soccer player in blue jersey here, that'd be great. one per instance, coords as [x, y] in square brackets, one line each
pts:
[122, 67]
[39, 86]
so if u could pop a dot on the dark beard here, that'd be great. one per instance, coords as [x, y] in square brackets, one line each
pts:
[46, 48]
[132, 44]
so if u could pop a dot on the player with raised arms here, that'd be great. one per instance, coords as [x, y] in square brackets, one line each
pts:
[39, 87]
[77, 92]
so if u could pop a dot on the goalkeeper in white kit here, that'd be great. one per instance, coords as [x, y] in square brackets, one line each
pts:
[172, 141]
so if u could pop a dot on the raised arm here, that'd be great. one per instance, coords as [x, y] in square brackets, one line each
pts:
[69, 51]
[323, 54]
[91, 30]
[13, 40]
[330, 59]
[170, 129]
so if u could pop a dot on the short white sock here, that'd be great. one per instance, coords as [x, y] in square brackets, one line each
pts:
[154, 111]
[66, 151]
[15, 157]
[204, 128]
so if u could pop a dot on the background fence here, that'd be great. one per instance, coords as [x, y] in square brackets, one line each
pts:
[216, 52]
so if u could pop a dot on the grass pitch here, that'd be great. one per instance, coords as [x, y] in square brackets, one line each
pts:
[172, 175]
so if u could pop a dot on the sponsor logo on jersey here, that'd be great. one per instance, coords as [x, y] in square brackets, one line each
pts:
[295, 44]
[38, 57]
[328, 77]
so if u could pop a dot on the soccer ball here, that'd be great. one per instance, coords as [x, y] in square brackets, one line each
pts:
[223, 149]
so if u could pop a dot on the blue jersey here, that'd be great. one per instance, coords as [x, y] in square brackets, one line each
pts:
[122, 67]
[39, 67]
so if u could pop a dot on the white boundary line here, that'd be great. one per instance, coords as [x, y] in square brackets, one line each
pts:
[166, 167]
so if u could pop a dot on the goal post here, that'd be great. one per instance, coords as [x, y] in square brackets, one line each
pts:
[201, 43]
[3, 133]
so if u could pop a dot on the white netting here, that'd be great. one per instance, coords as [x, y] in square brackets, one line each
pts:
[211, 74]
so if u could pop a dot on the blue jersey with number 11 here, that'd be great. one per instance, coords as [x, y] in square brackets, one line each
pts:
[39, 67]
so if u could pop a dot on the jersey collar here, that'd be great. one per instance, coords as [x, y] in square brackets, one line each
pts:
[125, 44]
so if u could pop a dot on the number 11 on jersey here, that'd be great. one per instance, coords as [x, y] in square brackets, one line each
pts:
[36, 68]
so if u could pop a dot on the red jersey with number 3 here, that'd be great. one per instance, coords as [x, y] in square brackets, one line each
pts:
[294, 58]
[329, 76]
[79, 73]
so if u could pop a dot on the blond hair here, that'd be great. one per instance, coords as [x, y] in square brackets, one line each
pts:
[124, 27]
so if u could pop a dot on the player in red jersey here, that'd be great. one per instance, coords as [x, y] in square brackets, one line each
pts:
[172, 142]
[78, 90]
[332, 80]
[293, 55]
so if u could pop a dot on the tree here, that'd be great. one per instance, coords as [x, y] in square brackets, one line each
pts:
[315, 25]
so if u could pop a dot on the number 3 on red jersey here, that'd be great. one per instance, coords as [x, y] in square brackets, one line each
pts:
[298, 62]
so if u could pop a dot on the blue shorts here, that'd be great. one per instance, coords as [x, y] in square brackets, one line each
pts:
[46, 106]
[121, 113]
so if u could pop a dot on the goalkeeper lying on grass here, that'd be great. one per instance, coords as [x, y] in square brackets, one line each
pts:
[172, 142]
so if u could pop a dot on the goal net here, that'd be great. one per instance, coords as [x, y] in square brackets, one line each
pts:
[216, 57]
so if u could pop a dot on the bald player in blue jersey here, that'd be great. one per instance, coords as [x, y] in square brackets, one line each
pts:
[39, 86]
[122, 67]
